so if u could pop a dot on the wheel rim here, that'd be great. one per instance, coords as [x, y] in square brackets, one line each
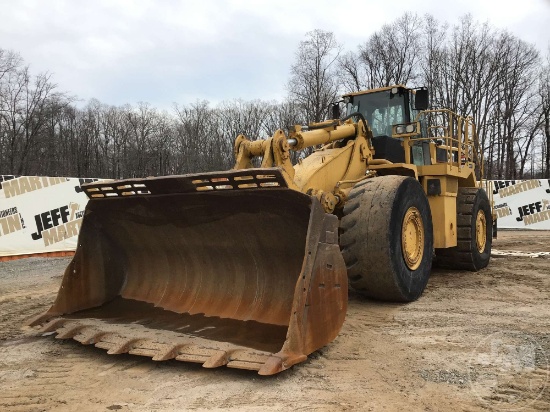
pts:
[481, 230]
[412, 238]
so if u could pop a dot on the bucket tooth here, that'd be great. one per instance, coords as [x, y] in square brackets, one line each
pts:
[69, 332]
[168, 352]
[40, 319]
[195, 354]
[89, 336]
[105, 344]
[218, 359]
[275, 364]
[251, 366]
[147, 346]
[52, 325]
[124, 346]
[143, 351]
[246, 359]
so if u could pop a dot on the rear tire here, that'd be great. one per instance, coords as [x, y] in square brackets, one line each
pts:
[474, 225]
[387, 239]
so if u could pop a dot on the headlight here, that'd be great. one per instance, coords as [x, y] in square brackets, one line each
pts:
[411, 128]
[400, 129]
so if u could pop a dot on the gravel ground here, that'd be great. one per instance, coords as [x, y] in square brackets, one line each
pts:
[473, 341]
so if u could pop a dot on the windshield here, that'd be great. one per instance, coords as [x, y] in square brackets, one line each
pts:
[381, 110]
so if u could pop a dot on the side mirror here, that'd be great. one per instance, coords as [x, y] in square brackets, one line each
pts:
[422, 99]
[335, 110]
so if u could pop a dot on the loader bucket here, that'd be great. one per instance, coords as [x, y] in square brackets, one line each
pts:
[230, 268]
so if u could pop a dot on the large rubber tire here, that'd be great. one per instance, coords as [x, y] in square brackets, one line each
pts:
[371, 238]
[472, 204]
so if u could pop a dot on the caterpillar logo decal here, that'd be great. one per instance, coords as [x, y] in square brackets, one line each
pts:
[534, 212]
[509, 187]
[58, 224]
[10, 221]
[26, 184]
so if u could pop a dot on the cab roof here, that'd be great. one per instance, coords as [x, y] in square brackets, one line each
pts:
[380, 89]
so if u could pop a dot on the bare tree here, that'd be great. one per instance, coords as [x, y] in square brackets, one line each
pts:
[544, 91]
[470, 67]
[193, 124]
[240, 117]
[23, 110]
[9, 62]
[434, 53]
[352, 73]
[313, 83]
[201, 143]
[391, 55]
[283, 116]
[517, 102]
[489, 75]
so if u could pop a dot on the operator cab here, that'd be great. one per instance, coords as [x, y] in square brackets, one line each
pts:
[382, 109]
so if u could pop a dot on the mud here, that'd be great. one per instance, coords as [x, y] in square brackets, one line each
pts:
[473, 341]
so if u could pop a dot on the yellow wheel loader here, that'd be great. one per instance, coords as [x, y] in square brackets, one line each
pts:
[249, 268]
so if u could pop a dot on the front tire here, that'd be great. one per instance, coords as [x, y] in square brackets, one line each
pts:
[387, 238]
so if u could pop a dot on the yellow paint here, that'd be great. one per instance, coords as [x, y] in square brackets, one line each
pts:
[346, 156]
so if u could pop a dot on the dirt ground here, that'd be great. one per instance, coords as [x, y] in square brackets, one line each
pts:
[473, 341]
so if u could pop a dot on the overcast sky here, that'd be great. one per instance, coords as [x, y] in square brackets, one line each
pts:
[122, 51]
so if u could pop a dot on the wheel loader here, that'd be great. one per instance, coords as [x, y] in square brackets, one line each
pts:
[249, 268]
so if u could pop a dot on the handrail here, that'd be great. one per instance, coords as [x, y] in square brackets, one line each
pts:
[458, 134]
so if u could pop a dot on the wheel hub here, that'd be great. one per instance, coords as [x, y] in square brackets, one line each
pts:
[412, 238]
[481, 231]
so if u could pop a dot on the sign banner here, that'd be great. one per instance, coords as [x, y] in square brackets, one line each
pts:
[44, 214]
[522, 204]
[40, 214]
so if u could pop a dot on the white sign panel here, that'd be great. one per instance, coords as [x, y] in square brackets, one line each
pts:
[40, 214]
[44, 214]
[522, 204]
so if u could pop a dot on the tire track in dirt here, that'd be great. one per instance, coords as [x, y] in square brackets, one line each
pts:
[500, 305]
[62, 374]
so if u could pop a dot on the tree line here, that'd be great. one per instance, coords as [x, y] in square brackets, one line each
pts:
[499, 80]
